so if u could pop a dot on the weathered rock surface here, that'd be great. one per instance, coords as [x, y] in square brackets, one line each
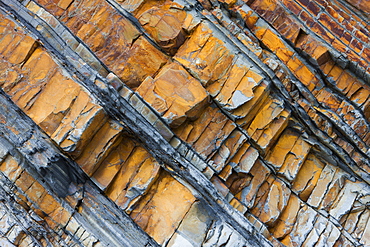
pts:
[184, 123]
[175, 94]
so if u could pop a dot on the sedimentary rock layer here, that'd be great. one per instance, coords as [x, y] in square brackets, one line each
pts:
[185, 123]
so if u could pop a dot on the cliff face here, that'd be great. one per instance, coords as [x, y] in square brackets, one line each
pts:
[184, 123]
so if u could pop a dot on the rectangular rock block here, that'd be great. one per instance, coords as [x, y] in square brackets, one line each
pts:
[161, 210]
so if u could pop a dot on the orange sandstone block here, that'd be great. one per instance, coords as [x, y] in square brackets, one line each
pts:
[97, 149]
[35, 71]
[366, 54]
[11, 168]
[251, 20]
[322, 185]
[321, 55]
[79, 125]
[226, 172]
[20, 53]
[115, 40]
[190, 131]
[228, 149]
[220, 186]
[328, 37]
[307, 177]
[237, 205]
[261, 5]
[24, 181]
[9, 43]
[130, 179]
[213, 135]
[127, 171]
[205, 56]
[313, 8]
[272, 203]
[230, 3]
[360, 96]
[245, 158]
[49, 108]
[236, 182]
[223, 90]
[283, 146]
[346, 38]
[332, 192]
[48, 204]
[276, 44]
[326, 97]
[335, 73]
[52, 6]
[64, 3]
[61, 216]
[270, 111]
[287, 219]
[175, 94]
[268, 123]
[112, 163]
[338, 45]
[294, 63]
[305, 75]
[307, 19]
[260, 173]
[259, 28]
[165, 24]
[142, 60]
[248, 111]
[294, 159]
[160, 211]
[327, 67]
[292, 6]
[305, 220]
[36, 192]
[141, 182]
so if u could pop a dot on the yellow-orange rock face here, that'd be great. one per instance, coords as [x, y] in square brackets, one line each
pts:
[165, 23]
[169, 201]
[175, 94]
[136, 174]
[202, 53]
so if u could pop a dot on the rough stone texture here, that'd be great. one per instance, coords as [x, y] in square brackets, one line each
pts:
[184, 123]
[175, 94]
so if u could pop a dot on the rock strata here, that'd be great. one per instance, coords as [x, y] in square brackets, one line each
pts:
[184, 123]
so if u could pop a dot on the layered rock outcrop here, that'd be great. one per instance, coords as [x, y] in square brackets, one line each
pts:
[184, 123]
